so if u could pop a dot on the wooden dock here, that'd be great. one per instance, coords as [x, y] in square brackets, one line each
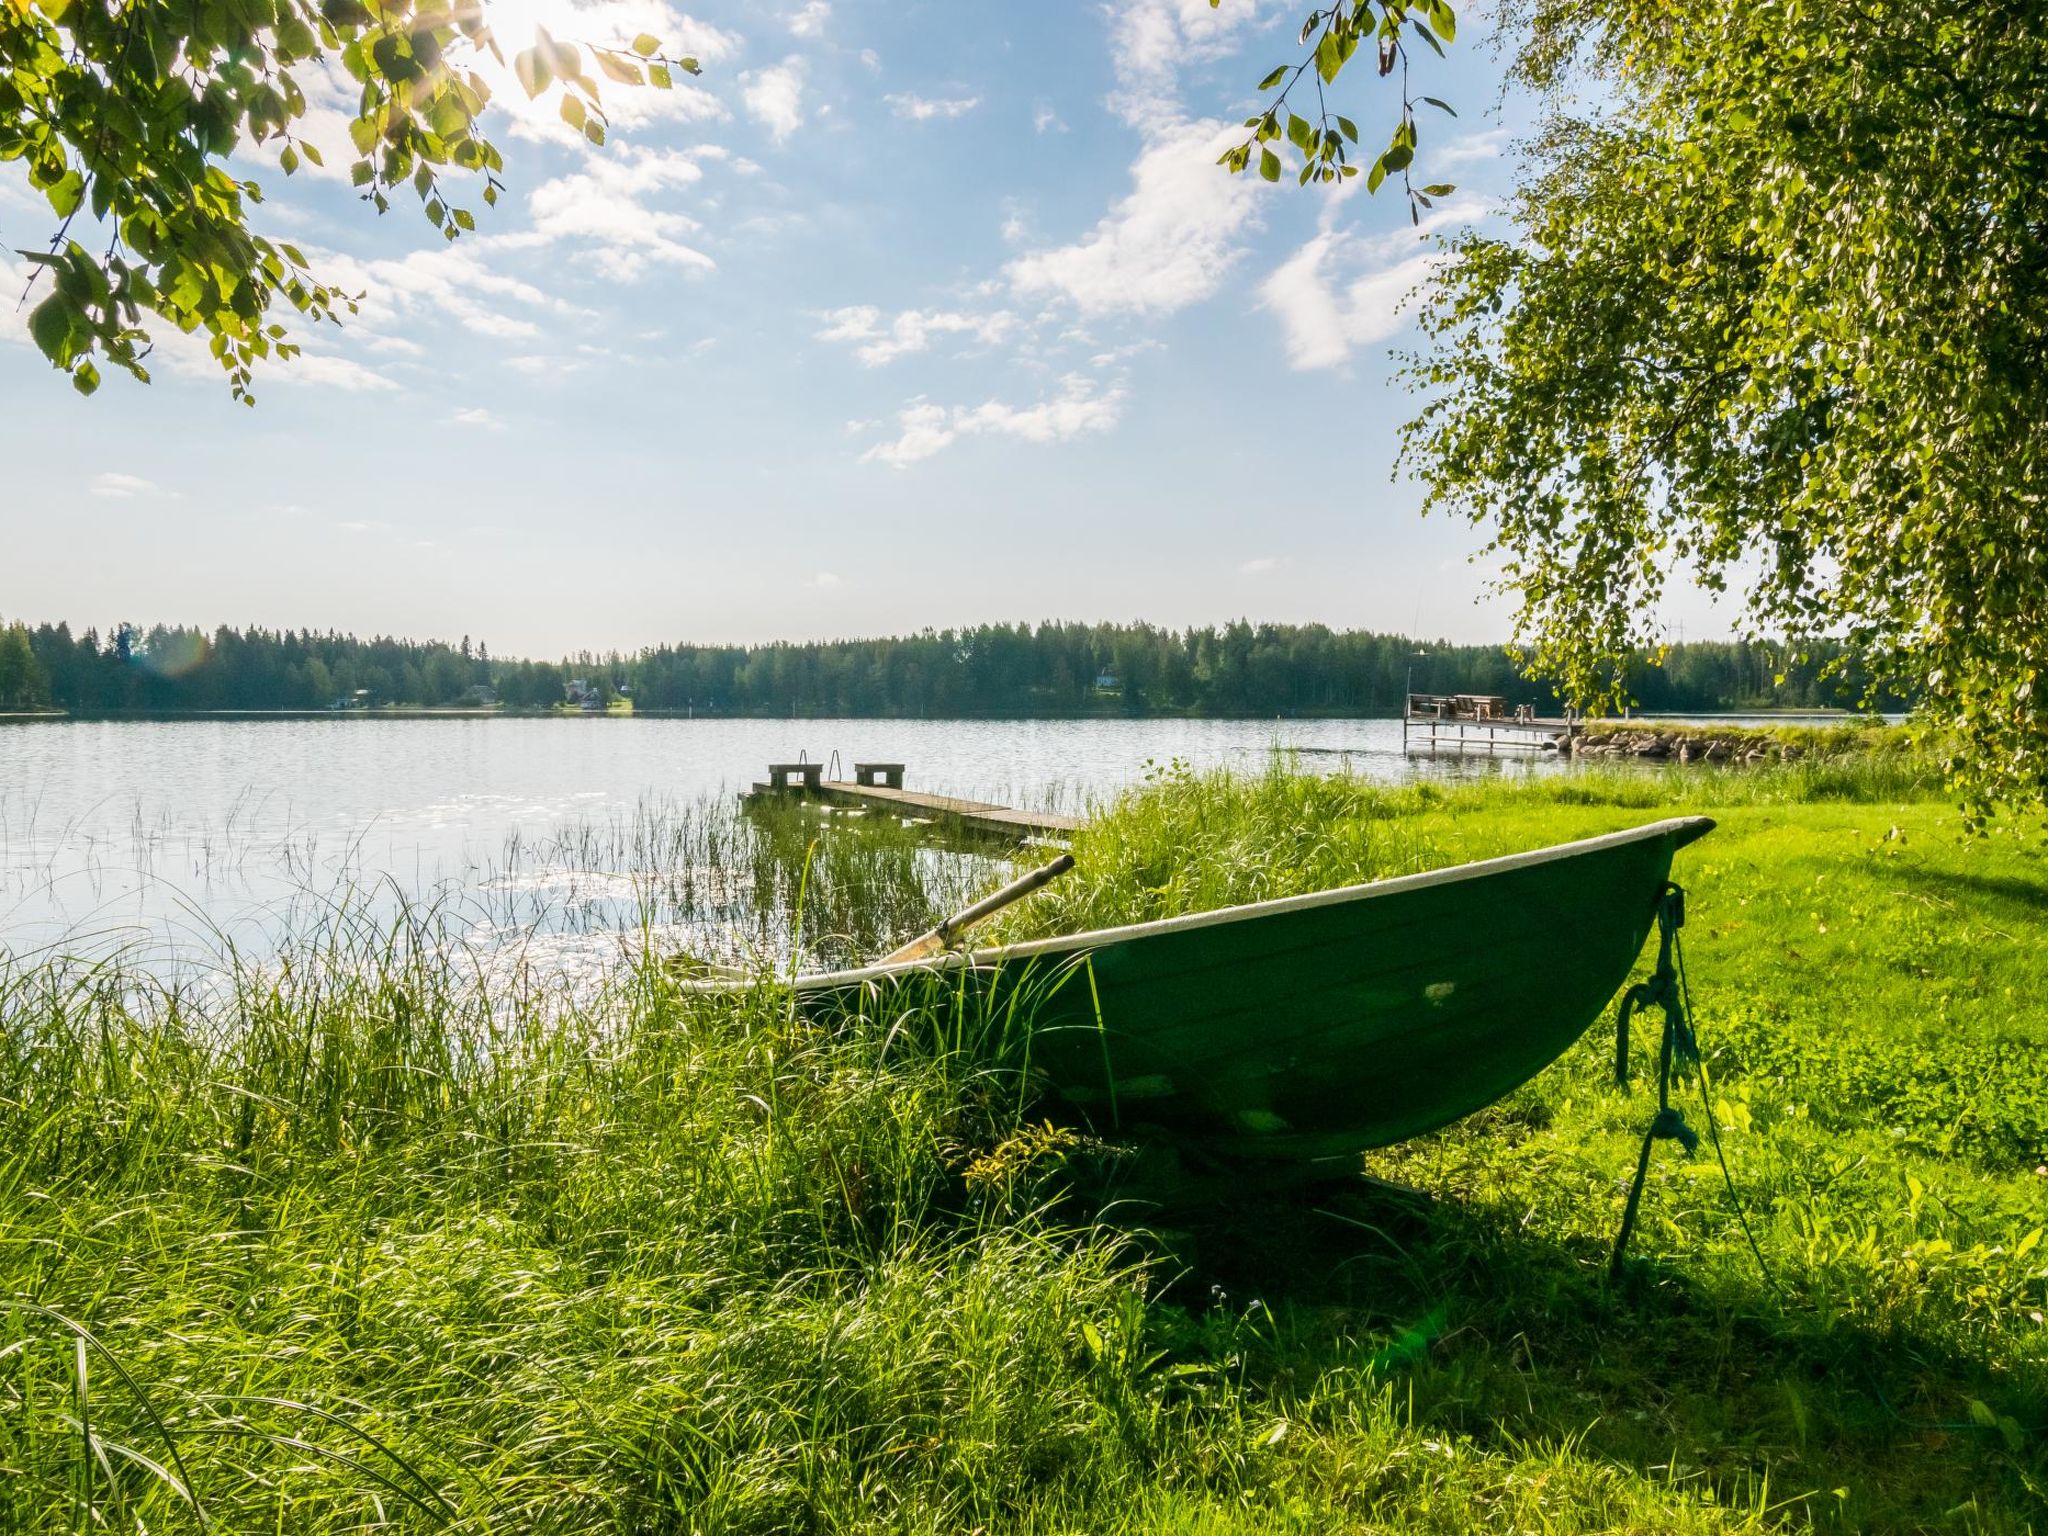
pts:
[877, 788]
[1480, 723]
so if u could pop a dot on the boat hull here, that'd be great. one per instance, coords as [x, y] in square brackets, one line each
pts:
[1320, 1026]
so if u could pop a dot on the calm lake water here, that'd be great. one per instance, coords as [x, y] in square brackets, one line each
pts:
[188, 831]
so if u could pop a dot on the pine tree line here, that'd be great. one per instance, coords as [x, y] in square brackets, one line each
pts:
[1003, 670]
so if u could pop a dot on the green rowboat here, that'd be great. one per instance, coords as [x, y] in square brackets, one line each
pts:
[1313, 1026]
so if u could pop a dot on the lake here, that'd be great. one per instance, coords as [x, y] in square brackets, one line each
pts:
[185, 832]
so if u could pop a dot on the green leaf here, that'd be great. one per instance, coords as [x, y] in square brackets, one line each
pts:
[647, 45]
[65, 194]
[85, 378]
[50, 325]
[1348, 128]
[1298, 131]
[658, 76]
[572, 111]
[288, 158]
[1444, 20]
[1439, 189]
[1441, 105]
[1274, 78]
[1329, 57]
[1269, 165]
[533, 71]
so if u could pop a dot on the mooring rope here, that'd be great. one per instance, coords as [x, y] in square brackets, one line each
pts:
[1669, 989]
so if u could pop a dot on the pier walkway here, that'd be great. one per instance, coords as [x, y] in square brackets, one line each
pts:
[878, 787]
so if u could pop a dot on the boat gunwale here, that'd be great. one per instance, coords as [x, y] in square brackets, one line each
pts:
[1683, 829]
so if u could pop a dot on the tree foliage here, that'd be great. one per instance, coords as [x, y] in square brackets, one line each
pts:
[1016, 670]
[127, 113]
[1772, 310]
[1331, 36]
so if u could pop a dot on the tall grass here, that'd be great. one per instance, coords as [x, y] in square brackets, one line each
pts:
[352, 1240]
[389, 1231]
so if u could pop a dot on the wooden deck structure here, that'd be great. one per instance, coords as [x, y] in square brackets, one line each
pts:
[1473, 722]
[877, 788]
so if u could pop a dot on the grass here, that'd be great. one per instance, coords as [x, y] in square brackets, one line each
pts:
[373, 1238]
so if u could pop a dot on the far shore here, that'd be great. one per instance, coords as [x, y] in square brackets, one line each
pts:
[474, 712]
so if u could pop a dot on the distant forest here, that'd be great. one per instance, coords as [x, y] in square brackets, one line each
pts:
[991, 670]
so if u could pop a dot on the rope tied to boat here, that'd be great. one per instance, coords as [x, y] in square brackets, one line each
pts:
[1662, 990]
[1678, 1047]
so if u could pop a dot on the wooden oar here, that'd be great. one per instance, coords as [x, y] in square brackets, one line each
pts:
[942, 936]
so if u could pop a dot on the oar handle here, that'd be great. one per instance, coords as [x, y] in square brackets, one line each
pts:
[931, 943]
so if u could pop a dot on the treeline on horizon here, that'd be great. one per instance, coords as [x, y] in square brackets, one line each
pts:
[1050, 669]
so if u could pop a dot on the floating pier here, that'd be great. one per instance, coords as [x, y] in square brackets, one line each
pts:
[878, 787]
[1480, 722]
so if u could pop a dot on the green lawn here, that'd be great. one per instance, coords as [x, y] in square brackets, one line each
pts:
[360, 1246]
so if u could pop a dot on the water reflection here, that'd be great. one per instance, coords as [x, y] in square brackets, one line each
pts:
[558, 837]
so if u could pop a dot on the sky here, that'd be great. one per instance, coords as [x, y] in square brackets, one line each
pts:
[902, 315]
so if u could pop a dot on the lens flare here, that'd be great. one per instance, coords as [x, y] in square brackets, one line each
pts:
[173, 652]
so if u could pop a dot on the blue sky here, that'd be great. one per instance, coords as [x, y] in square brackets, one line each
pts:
[903, 315]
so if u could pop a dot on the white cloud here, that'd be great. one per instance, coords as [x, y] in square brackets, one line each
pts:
[477, 416]
[1472, 149]
[775, 97]
[810, 21]
[872, 59]
[912, 330]
[13, 312]
[824, 581]
[855, 322]
[607, 208]
[922, 109]
[1264, 565]
[444, 281]
[1045, 120]
[1166, 245]
[924, 429]
[324, 368]
[1342, 291]
[120, 487]
[1170, 241]
[1152, 39]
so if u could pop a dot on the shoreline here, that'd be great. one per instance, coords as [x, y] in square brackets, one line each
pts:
[1761, 719]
